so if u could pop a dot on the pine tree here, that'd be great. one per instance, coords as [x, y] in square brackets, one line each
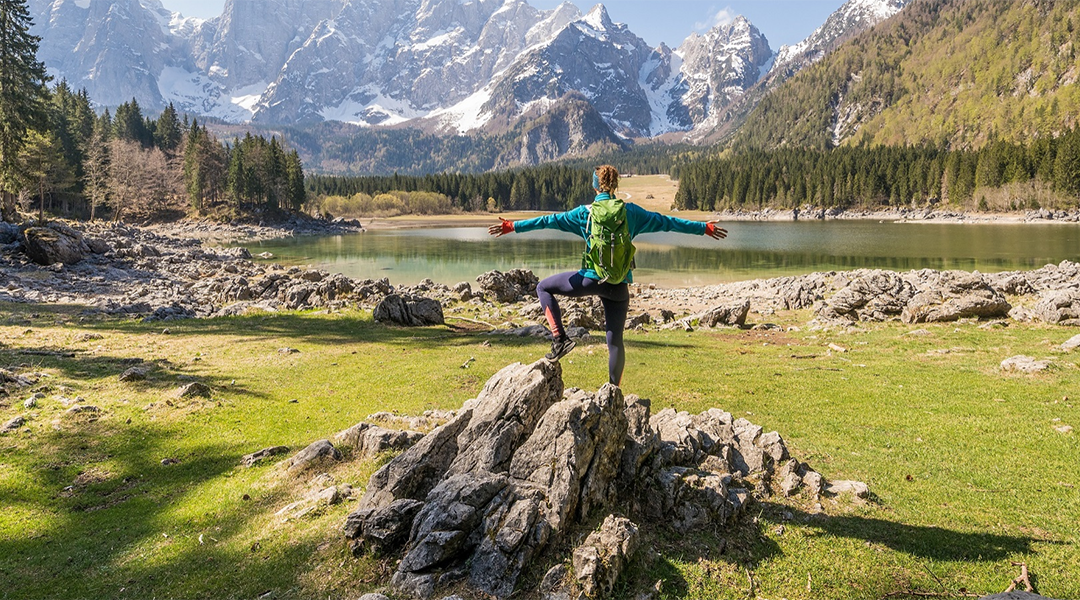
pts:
[23, 94]
[96, 166]
[129, 124]
[167, 132]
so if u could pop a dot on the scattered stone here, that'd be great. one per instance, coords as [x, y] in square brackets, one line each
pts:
[13, 424]
[919, 332]
[83, 409]
[1024, 364]
[1063, 428]
[250, 460]
[1071, 344]
[374, 596]
[856, 488]
[288, 351]
[837, 348]
[134, 374]
[165, 462]
[194, 388]
[316, 453]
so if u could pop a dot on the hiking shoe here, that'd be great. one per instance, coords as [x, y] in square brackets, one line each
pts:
[560, 347]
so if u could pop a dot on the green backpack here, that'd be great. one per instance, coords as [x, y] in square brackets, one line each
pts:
[609, 250]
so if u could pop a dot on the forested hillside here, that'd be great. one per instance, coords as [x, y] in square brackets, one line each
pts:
[999, 176]
[956, 74]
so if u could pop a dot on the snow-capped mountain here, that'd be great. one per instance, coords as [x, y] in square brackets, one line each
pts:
[444, 65]
[850, 19]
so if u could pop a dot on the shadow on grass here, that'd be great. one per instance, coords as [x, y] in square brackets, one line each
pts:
[934, 543]
[91, 512]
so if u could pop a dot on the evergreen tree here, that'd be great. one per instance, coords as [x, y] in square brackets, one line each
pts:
[129, 124]
[167, 132]
[96, 165]
[23, 95]
[294, 171]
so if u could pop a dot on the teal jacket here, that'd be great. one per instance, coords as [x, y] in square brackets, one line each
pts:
[638, 219]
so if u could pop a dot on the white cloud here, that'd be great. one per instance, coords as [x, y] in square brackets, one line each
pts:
[724, 16]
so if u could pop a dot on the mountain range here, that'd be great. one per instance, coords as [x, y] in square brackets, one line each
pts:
[557, 81]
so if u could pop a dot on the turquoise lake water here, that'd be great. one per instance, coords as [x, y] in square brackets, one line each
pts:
[752, 250]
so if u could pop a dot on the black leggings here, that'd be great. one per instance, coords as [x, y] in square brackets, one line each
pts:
[616, 301]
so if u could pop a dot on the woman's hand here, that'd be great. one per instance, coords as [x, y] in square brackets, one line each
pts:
[715, 232]
[502, 228]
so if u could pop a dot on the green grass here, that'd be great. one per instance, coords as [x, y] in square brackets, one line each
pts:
[967, 472]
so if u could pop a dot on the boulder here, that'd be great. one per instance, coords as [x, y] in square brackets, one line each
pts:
[515, 285]
[410, 311]
[55, 244]
[730, 315]
[953, 295]
[1060, 307]
[872, 296]
[370, 440]
[315, 453]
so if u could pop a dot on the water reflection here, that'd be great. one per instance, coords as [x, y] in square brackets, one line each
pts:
[752, 250]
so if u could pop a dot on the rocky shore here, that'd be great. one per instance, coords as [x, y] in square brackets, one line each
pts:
[924, 214]
[166, 273]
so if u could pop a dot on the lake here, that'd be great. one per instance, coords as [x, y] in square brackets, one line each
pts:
[752, 250]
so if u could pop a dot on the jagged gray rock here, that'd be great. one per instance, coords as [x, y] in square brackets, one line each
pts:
[600, 561]
[1060, 306]
[952, 295]
[517, 469]
[370, 440]
[513, 286]
[872, 296]
[730, 314]
[411, 311]
[312, 455]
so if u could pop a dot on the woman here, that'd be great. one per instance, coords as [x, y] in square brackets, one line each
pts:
[614, 295]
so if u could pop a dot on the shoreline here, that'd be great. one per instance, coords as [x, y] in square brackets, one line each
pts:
[163, 273]
[767, 215]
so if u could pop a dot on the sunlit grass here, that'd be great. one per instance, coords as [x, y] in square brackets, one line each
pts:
[967, 471]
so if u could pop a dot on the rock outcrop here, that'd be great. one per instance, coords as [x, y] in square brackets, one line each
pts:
[526, 464]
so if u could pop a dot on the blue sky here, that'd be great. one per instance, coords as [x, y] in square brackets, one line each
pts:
[668, 21]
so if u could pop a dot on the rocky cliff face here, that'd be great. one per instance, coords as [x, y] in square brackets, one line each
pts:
[443, 65]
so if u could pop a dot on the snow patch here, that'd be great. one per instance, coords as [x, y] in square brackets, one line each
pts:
[468, 114]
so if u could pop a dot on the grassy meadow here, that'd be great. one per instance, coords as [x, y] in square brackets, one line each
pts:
[967, 470]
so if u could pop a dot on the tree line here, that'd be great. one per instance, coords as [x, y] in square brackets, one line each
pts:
[59, 156]
[1044, 173]
[547, 187]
